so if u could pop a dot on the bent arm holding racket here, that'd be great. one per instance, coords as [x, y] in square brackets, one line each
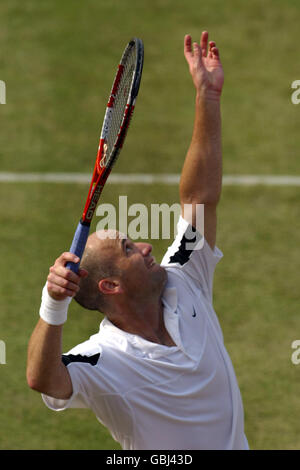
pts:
[45, 371]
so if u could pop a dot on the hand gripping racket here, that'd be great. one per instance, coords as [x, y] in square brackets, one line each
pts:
[117, 117]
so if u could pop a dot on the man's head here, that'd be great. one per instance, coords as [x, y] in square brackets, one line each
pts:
[118, 269]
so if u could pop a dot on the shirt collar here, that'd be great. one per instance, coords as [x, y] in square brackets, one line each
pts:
[169, 299]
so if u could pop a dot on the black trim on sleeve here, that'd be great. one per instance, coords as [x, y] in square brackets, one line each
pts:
[68, 358]
[182, 255]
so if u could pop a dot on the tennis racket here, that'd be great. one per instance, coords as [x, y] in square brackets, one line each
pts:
[117, 117]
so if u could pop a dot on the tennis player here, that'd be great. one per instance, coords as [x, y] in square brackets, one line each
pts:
[157, 374]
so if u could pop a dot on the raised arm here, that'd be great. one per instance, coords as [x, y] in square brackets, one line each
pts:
[201, 177]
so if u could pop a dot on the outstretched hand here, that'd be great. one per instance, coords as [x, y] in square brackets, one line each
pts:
[204, 65]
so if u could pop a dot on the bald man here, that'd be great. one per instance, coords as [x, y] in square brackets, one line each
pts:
[157, 374]
[129, 281]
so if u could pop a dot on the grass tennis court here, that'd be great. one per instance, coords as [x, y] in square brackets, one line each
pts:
[56, 59]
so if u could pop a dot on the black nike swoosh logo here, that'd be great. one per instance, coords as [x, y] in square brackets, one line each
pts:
[194, 314]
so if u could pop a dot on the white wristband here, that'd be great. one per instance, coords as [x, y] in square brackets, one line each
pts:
[53, 312]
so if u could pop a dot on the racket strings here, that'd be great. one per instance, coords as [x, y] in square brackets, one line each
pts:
[119, 110]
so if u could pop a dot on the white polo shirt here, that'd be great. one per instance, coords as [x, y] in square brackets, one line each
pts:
[156, 397]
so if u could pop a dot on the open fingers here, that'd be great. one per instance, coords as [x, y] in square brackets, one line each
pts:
[192, 52]
[203, 43]
[188, 52]
[208, 49]
[213, 50]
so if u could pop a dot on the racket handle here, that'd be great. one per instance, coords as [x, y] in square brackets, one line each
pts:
[78, 245]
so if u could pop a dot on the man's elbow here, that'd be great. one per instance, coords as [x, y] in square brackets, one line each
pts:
[34, 382]
[204, 198]
[40, 382]
[56, 385]
[204, 194]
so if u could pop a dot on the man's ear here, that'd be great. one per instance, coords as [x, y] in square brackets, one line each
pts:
[110, 286]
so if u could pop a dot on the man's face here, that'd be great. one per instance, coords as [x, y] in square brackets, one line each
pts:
[140, 275]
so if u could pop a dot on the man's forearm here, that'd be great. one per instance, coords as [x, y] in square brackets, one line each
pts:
[45, 371]
[201, 177]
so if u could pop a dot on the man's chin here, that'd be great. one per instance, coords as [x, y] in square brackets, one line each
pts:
[162, 275]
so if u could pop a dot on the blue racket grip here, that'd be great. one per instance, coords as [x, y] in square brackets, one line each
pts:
[78, 245]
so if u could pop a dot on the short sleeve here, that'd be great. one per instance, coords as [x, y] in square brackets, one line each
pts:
[78, 399]
[80, 362]
[95, 381]
[191, 257]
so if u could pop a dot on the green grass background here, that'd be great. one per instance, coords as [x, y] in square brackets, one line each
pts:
[57, 59]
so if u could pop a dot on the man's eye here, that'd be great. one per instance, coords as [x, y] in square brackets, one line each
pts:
[128, 248]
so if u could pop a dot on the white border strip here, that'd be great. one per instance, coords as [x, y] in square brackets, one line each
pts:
[145, 178]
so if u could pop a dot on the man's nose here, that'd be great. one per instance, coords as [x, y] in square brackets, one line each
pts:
[145, 248]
